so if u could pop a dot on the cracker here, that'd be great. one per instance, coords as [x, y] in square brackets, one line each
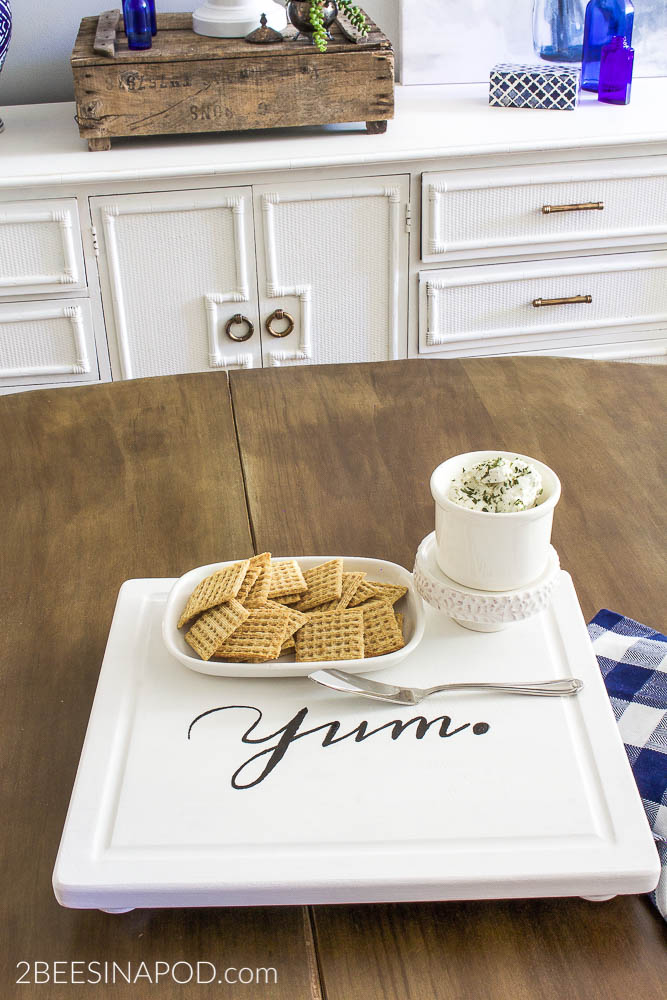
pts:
[325, 582]
[259, 592]
[391, 592]
[295, 621]
[331, 635]
[289, 598]
[365, 591]
[259, 638]
[381, 630]
[351, 582]
[212, 628]
[399, 621]
[221, 586]
[254, 569]
[286, 578]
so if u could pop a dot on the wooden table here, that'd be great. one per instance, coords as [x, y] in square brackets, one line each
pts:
[152, 477]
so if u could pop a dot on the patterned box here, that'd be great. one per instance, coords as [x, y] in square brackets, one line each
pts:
[541, 87]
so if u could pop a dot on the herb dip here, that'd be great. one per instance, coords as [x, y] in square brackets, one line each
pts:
[497, 486]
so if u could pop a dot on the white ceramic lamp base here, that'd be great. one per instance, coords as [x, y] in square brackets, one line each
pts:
[230, 18]
[480, 610]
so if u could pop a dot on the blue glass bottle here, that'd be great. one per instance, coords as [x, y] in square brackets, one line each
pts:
[604, 19]
[558, 29]
[151, 10]
[137, 24]
[616, 60]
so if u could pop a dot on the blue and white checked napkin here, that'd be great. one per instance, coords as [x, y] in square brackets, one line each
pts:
[633, 661]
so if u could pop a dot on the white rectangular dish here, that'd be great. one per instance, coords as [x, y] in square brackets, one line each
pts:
[378, 570]
[194, 790]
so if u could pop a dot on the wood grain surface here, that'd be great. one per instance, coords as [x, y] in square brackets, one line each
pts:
[337, 460]
[143, 478]
[99, 485]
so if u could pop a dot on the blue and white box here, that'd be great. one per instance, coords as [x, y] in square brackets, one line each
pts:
[553, 88]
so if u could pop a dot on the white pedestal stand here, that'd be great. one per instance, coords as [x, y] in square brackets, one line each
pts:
[234, 18]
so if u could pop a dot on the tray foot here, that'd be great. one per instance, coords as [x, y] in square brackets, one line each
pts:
[479, 627]
[116, 909]
[376, 128]
[599, 899]
[95, 145]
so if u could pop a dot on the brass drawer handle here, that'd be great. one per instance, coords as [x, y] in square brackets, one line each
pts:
[561, 302]
[584, 206]
[235, 321]
[279, 314]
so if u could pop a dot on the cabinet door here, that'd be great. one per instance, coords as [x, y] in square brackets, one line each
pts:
[333, 258]
[175, 269]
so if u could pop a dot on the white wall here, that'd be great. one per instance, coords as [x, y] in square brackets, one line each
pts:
[37, 68]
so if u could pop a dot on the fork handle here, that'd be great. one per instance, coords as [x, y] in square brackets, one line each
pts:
[549, 689]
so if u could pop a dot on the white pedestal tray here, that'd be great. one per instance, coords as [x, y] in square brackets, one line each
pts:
[183, 796]
[480, 610]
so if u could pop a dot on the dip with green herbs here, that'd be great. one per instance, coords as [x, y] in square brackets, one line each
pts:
[497, 486]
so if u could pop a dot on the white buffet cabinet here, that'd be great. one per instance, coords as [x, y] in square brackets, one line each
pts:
[463, 231]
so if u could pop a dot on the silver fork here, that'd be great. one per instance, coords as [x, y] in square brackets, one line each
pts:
[339, 680]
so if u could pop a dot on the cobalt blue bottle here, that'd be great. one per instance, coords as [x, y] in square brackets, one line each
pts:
[604, 19]
[151, 11]
[137, 24]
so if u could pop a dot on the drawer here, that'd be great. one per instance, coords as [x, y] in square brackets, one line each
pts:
[546, 207]
[490, 308]
[47, 341]
[40, 248]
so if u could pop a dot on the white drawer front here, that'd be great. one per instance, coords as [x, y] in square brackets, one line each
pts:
[49, 341]
[500, 211]
[40, 248]
[483, 305]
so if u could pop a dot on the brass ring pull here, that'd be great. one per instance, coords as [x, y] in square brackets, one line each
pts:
[583, 206]
[234, 321]
[562, 302]
[279, 314]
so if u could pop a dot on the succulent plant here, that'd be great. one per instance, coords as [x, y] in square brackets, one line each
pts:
[355, 14]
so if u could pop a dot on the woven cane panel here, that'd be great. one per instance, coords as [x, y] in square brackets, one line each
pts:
[168, 262]
[29, 249]
[652, 359]
[340, 247]
[477, 217]
[477, 310]
[37, 342]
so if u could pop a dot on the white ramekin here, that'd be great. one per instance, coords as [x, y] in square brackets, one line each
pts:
[489, 551]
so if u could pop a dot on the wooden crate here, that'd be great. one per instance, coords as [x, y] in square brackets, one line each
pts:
[188, 83]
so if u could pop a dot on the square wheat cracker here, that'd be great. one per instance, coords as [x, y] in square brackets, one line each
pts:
[212, 628]
[258, 639]
[286, 579]
[364, 592]
[391, 592]
[331, 635]
[351, 583]
[220, 586]
[325, 583]
[259, 592]
[382, 633]
[257, 563]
